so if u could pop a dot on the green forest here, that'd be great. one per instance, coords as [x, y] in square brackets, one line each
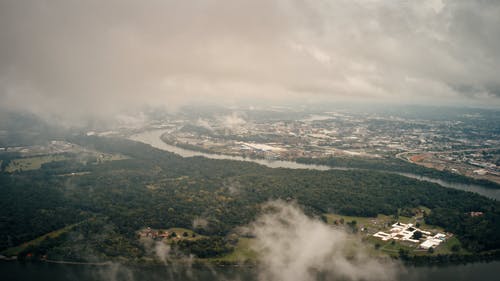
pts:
[106, 203]
[395, 165]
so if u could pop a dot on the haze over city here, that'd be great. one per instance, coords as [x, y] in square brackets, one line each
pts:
[76, 59]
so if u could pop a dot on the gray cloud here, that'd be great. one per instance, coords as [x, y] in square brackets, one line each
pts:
[102, 57]
[292, 246]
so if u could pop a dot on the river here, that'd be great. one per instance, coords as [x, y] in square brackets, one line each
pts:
[152, 137]
[13, 271]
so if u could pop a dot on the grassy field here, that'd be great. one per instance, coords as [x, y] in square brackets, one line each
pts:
[14, 251]
[242, 252]
[180, 231]
[446, 247]
[393, 248]
[377, 247]
[36, 162]
[33, 163]
[111, 157]
[74, 174]
[370, 224]
[381, 222]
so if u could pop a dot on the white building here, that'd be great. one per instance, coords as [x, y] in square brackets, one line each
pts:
[405, 232]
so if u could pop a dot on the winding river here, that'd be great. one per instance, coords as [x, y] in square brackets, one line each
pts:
[153, 138]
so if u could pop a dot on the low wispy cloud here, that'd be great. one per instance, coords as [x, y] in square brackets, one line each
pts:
[200, 223]
[295, 247]
[232, 121]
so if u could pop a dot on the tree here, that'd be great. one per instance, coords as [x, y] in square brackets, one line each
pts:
[352, 225]
[403, 253]
[324, 218]
[455, 248]
[417, 235]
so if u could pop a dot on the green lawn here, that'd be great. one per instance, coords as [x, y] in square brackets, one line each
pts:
[372, 224]
[14, 251]
[36, 162]
[32, 163]
[112, 157]
[180, 231]
[446, 247]
[382, 223]
[242, 252]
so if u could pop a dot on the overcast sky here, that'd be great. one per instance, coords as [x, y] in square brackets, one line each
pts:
[89, 57]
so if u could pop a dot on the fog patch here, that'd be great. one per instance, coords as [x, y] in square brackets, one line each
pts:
[204, 124]
[234, 187]
[232, 121]
[115, 272]
[158, 249]
[162, 251]
[292, 246]
[178, 266]
[200, 223]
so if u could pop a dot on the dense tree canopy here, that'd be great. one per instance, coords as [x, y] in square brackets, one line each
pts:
[113, 200]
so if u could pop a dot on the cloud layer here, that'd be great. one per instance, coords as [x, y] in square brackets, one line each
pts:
[292, 246]
[99, 57]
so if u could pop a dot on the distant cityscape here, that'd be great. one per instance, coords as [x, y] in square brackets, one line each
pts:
[466, 144]
[461, 146]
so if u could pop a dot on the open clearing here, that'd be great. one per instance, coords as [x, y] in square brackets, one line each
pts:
[36, 162]
[242, 252]
[367, 226]
[14, 251]
[33, 163]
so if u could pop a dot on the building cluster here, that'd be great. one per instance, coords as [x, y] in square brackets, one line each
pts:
[408, 232]
[476, 214]
[52, 147]
[344, 134]
[154, 234]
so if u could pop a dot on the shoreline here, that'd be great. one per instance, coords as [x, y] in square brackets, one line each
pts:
[155, 139]
[412, 261]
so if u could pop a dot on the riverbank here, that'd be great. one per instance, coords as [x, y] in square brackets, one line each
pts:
[396, 165]
[414, 260]
[153, 138]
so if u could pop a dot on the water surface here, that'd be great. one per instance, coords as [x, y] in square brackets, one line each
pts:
[14, 271]
[153, 138]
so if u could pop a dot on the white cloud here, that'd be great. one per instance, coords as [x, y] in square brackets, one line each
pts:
[99, 58]
[292, 246]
